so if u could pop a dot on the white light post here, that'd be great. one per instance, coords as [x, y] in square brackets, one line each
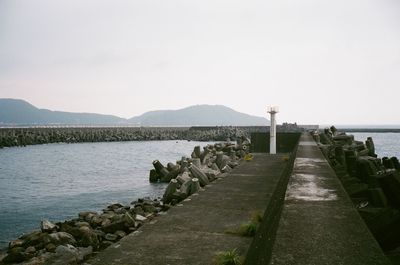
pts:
[272, 129]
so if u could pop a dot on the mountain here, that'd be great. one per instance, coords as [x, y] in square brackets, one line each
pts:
[20, 112]
[202, 115]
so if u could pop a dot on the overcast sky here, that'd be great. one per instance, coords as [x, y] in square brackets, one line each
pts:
[320, 61]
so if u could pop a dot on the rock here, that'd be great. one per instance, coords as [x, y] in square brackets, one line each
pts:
[68, 255]
[138, 209]
[114, 206]
[129, 220]
[141, 218]
[149, 208]
[60, 238]
[30, 250]
[96, 221]
[105, 244]
[16, 243]
[111, 237]
[81, 224]
[88, 238]
[120, 234]
[47, 226]
[105, 223]
[87, 216]
[34, 238]
[115, 226]
[16, 254]
[51, 247]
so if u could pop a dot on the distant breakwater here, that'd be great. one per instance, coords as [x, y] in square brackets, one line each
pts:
[372, 183]
[74, 241]
[10, 137]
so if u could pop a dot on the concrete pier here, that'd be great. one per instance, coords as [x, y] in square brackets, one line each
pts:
[194, 231]
[319, 224]
[308, 219]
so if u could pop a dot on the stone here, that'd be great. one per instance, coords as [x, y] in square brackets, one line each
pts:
[105, 244]
[87, 216]
[115, 226]
[51, 247]
[129, 220]
[34, 238]
[63, 255]
[30, 250]
[149, 208]
[16, 254]
[47, 226]
[81, 224]
[16, 243]
[60, 238]
[120, 234]
[141, 218]
[111, 237]
[88, 237]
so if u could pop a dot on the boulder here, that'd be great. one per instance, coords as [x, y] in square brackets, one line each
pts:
[115, 226]
[47, 226]
[60, 238]
[68, 254]
[120, 234]
[111, 237]
[88, 237]
[16, 243]
[16, 254]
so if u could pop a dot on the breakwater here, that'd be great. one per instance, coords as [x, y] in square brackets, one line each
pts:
[373, 183]
[75, 240]
[29, 136]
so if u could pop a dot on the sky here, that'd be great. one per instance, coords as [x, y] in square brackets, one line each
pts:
[320, 61]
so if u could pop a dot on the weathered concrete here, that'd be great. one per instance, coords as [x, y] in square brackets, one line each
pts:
[195, 231]
[319, 224]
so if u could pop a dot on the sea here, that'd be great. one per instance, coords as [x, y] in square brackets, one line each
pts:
[57, 181]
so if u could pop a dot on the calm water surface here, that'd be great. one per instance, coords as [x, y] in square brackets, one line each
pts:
[56, 181]
[386, 144]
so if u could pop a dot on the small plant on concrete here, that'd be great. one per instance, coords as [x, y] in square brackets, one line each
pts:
[248, 229]
[257, 217]
[230, 257]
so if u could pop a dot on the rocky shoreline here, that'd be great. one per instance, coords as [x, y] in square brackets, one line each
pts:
[74, 241]
[373, 184]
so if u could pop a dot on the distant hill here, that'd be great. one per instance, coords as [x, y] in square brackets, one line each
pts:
[202, 115]
[20, 112]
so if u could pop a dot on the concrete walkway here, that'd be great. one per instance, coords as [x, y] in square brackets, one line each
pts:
[319, 224]
[195, 231]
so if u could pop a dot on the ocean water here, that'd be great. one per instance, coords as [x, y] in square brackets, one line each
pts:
[386, 144]
[57, 181]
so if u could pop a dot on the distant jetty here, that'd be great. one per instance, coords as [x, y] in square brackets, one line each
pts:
[10, 137]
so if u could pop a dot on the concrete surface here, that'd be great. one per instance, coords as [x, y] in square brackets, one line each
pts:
[319, 224]
[195, 231]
